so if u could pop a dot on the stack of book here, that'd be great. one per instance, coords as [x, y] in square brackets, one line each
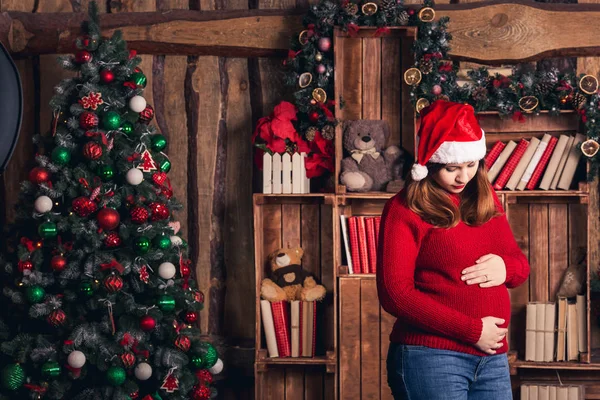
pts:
[360, 235]
[549, 163]
[547, 392]
[290, 327]
[556, 332]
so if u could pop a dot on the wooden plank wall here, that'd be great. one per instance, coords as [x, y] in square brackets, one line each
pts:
[364, 340]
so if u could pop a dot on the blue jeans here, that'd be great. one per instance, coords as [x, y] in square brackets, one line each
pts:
[423, 373]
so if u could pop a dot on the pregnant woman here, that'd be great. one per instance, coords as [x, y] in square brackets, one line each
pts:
[445, 263]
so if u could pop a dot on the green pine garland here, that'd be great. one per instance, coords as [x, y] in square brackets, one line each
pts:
[485, 92]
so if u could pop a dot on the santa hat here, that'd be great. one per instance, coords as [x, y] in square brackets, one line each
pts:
[449, 133]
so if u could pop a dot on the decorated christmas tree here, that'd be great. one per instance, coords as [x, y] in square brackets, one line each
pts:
[100, 300]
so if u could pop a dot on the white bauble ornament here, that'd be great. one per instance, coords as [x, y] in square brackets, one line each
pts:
[217, 368]
[176, 241]
[137, 104]
[76, 359]
[143, 371]
[43, 204]
[166, 270]
[134, 176]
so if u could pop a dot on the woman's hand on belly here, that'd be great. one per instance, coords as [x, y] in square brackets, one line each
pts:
[489, 271]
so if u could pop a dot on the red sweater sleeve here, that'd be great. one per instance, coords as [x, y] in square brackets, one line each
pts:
[517, 266]
[401, 235]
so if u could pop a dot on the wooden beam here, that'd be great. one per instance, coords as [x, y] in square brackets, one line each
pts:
[240, 33]
[500, 32]
[486, 32]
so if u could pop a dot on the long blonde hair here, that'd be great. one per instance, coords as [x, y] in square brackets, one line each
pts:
[432, 203]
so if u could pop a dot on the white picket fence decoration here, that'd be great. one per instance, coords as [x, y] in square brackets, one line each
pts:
[285, 174]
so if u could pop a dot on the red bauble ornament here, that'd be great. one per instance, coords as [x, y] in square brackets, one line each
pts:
[83, 56]
[201, 392]
[134, 395]
[139, 215]
[147, 323]
[112, 240]
[83, 206]
[132, 53]
[108, 219]
[128, 359]
[88, 120]
[107, 76]
[183, 343]
[159, 211]
[58, 263]
[39, 175]
[324, 44]
[191, 317]
[147, 115]
[57, 317]
[436, 90]
[113, 283]
[92, 150]
[26, 265]
[313, 116]
[199, 296]
[185, 271]
[204, 376]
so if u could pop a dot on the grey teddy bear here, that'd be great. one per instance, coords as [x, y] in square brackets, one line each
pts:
[369, 167]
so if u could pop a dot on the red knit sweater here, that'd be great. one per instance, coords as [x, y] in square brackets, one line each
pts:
[418, 277]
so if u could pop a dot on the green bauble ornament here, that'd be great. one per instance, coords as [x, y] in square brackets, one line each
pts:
[35, 293]
[165, 165]
[210, 355]
[61, 156]
[86, 288]
[106, 172]
[159, 142]
[51, 369]
[115, 376]
[139, 79]
[47, 230]
[13, 376]
[166, 302]
[198, 362]
[142, 245]
[127, 127]
[111, 120]
[162, 242]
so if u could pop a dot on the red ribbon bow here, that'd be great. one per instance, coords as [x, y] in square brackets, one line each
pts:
[383, 31]
[112, 265]
[92, 134]
[353, 29]
[28, 243]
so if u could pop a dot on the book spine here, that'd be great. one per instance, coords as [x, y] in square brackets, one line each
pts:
[511, 164]
[353, 232]
[523, 164]
[539, 169]
[371, 244]
[281, 318]
[492, 156]
[362, 245]
[267, 320]
[554, 161]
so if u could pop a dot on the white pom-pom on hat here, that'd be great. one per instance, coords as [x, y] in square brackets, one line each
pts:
[418, 172]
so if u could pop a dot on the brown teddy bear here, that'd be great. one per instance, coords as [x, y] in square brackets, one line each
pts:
[289, 281]
[370, 165]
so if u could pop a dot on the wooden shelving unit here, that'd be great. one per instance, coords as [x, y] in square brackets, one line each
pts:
[548, 225]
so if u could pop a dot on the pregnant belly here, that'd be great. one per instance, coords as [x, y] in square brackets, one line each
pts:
[471, 300]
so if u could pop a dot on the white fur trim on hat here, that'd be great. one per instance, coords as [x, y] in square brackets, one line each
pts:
[418, 172]
[460, 152]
